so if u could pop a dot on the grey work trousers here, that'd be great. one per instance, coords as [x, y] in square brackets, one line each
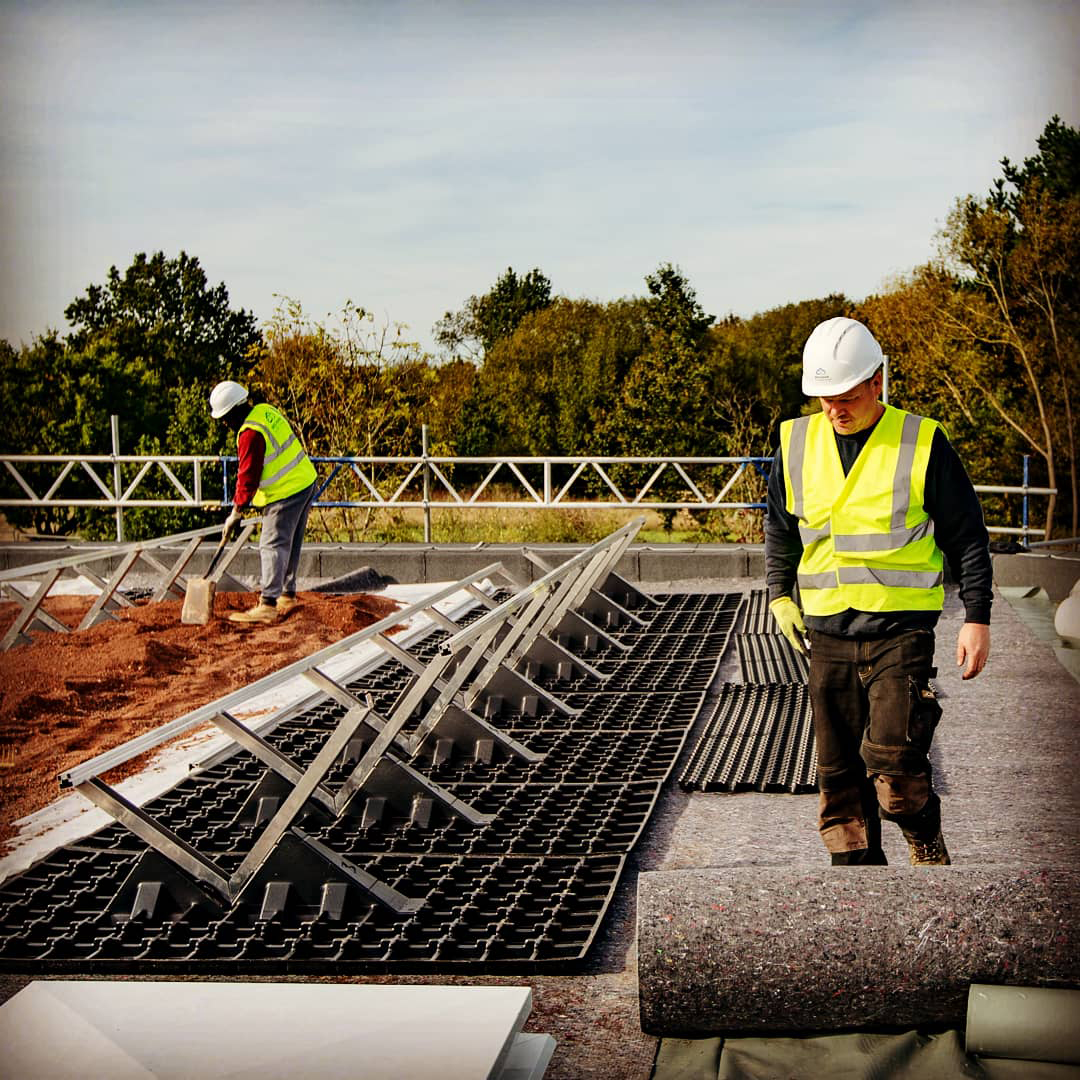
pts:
[283, 528]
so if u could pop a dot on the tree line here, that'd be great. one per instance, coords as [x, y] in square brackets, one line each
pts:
[984, 336]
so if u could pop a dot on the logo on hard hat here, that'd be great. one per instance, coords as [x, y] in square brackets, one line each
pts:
[821, 373]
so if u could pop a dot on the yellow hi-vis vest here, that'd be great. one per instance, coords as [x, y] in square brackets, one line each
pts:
[286, 468]
[868, 542]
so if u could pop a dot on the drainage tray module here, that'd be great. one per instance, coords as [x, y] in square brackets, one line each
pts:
[758, 738]
[769, 658]
[491, 840]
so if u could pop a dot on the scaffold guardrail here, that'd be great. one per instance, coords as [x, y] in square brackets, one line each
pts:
[426, 482]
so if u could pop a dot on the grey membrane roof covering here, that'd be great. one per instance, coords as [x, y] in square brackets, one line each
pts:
[1005, 760]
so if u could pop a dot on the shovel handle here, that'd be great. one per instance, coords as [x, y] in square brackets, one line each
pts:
[216, 556]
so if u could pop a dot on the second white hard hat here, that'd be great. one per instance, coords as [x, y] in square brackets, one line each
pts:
[225, 396]
[839, 354]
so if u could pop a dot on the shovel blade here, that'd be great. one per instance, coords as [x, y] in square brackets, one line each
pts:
[198, 602]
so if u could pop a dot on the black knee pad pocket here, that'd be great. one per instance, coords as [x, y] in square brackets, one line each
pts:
[924, 714]
[905, 732]
[893, 760]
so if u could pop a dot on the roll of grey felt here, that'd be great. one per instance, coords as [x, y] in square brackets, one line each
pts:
[751, 950]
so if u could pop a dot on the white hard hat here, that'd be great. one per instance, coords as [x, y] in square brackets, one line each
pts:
[839, 354]
[225, 396]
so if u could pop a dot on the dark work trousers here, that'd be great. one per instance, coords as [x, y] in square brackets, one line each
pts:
[283, 528]
[874, 719]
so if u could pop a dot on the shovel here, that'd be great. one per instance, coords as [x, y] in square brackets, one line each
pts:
[199, 595]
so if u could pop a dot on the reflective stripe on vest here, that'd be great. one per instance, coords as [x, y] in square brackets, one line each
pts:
[286, 467]
[868, 544]
[864, 575]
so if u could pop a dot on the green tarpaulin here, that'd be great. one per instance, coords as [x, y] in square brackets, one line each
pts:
[910, 1056]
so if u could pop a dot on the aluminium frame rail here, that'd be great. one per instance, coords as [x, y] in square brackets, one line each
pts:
[475, 667]
[119, 494]
[306, 783]
[169, 578]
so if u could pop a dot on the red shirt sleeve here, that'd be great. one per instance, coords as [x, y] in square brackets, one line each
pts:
[251, 449]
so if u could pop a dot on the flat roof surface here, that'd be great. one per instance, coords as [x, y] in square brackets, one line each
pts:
[1005, 759]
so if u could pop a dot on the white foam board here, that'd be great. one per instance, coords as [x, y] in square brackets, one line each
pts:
[55, 1030]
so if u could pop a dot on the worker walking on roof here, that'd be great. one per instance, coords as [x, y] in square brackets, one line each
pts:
[276, 476]
[864, 500]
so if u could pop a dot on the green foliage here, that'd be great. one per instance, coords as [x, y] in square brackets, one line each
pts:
[482, 421]
[1055, 168]
[162, 308]
[644, 376]
[487, 319]
[988, 334]
[450, 386]
[666, 404]
[675, 316]
[548, 388]
[148, 345]
[357, 389]
[37, 379]
[758, 370]
[32, 377]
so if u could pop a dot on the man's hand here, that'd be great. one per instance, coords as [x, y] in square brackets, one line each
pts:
[972, 648]
[232, 523]
[789, 618]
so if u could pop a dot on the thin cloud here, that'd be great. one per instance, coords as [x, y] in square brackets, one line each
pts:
[405, 155]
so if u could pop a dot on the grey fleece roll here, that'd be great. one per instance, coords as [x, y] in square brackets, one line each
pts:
[750, 950]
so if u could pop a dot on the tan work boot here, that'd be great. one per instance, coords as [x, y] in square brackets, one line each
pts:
[286, 603]
[928, 852]
[260, 613]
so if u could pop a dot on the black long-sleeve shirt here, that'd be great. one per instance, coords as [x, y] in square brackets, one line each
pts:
[951, 502]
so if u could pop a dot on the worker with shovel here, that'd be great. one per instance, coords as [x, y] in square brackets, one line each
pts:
[864, 500]
[276, 476]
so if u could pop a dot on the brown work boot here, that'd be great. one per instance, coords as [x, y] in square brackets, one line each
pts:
[260, 613]
[285, 603]
[928, 852]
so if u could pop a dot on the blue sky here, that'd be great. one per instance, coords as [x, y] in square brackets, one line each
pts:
[402, 155]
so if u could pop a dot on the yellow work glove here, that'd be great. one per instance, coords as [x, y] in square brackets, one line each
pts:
[789, 618]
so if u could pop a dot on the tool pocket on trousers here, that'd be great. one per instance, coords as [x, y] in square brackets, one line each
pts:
[923, 714]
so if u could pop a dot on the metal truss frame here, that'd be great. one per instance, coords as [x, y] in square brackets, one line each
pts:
[449, 703]
[411, 479]
[425, 481]
[115, 493]
[413, 489]
[168, 578]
